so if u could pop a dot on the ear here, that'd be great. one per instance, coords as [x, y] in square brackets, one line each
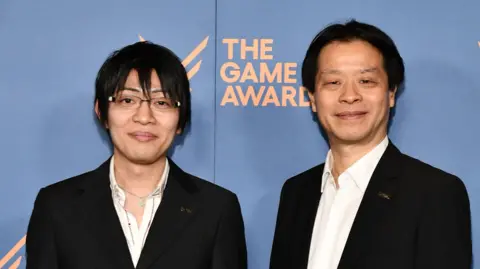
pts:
[313, 105]
[97, 111]
[391, 97]
[179, 131]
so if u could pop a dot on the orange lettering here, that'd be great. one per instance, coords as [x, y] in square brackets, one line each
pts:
[302, 102]
[287, 72]
[250, 94]
[244, 48]
[288, 93]
[264, 48]
[230, 42]
[249, 74]
[234, 73]
[270, 76]
[229, 97]
[271, 97]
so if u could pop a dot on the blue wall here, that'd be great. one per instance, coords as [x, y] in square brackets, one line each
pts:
[51, 50]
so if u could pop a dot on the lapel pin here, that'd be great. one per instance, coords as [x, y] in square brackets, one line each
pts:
[384, 195]
[183, 209]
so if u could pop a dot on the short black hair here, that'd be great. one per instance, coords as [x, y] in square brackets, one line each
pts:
[144, 57]
[352, 31]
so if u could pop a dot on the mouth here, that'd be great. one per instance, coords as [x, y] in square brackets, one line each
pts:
[143, 136]
[351, 115]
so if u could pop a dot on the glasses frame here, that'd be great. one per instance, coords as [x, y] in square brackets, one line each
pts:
[176, 104]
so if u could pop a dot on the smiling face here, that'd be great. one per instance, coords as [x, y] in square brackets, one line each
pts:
[140, 132]
[351, 97]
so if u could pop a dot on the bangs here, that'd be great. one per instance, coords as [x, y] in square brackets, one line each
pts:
[144, 58]
[144, 70]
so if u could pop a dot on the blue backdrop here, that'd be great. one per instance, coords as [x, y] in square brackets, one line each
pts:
[252, 127]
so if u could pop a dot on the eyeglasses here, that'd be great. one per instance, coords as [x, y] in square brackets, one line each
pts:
[132, 102]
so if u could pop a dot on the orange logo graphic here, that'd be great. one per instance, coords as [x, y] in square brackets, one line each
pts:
[190, 73]
[12, 253]
[200, 47]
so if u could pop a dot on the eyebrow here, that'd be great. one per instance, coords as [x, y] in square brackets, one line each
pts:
[362, 71]
[329, 71]
[140, 90]
[131, 89]
[369, 70]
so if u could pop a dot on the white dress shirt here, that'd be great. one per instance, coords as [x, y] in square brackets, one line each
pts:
[338, 207]
[135, 235]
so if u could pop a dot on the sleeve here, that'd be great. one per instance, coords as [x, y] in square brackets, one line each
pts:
[230, 250]
[444, 235]
[40, 243]
[279, 257]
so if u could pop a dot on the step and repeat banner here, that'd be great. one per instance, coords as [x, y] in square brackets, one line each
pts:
[252, 127]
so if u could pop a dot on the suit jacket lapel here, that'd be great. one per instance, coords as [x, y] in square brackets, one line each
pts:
[307, 212]
[102, 220]
[175, 212]
[375, 204]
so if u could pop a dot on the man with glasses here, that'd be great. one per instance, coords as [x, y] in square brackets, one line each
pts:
[138, 209]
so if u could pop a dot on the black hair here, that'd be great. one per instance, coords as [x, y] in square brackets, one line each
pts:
[144, 57]
[351, 31]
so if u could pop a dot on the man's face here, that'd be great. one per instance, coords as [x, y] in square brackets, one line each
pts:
[351, 96]
[140, 132]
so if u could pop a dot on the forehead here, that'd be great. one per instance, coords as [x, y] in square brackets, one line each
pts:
[351, 54]
[147, 85]
[134, 81]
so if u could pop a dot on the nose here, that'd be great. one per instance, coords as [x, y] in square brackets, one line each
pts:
[350, 94]
[144, 114]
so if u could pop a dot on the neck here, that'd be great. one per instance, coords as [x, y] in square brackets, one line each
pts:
[345, 155]
[140, 179]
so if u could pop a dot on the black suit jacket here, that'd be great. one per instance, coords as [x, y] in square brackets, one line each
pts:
[412, 216]
[74, 225]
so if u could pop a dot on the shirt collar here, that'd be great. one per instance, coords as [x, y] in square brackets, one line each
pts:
[361, 171]
[119, 194]
[327, 170]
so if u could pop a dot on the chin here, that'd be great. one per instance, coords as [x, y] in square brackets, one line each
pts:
[350, 138]
[143, 159]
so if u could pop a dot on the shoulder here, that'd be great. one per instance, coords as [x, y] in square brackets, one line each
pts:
[217, 200]
[63, 189]
[68, 188]
[203, 190]
[210, 191]
[60, 195]
[440, 196]
[305, 177]
[430, 176]
[434, 185]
